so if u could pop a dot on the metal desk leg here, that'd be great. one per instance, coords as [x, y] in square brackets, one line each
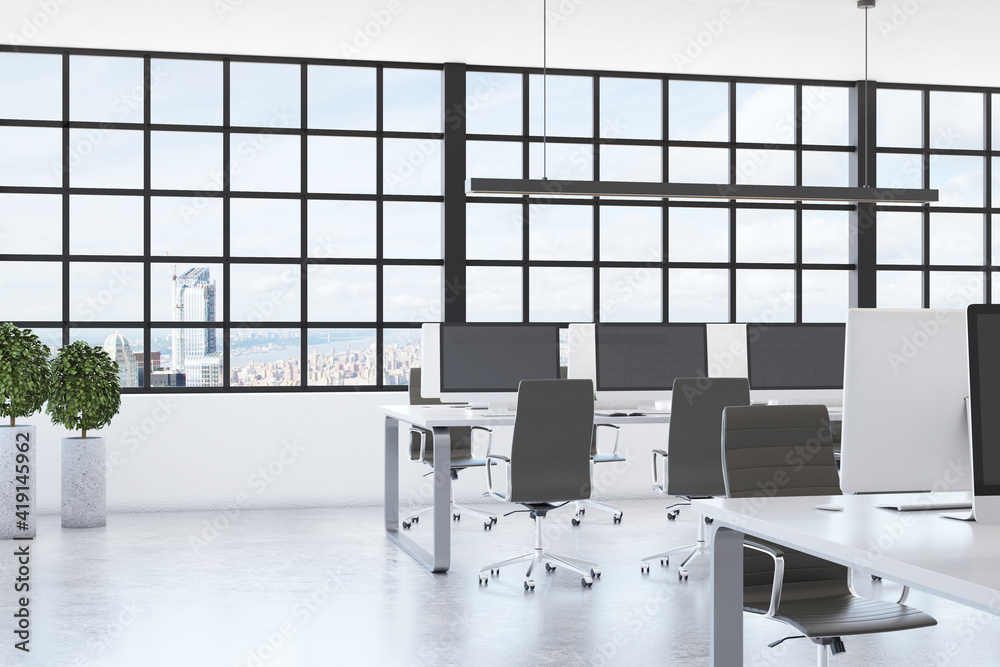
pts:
[727, 597]
[440, 560]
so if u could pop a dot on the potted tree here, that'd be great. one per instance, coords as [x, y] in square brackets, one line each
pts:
[84, 394]
[24, 386]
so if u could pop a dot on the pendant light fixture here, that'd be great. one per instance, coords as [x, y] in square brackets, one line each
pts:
[544, 187]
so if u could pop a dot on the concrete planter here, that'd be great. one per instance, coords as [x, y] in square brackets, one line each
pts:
[17, 521]
[84, 487]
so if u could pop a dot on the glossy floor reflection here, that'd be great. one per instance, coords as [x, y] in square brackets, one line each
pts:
[325, 587]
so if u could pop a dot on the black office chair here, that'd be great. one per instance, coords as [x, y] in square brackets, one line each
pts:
[549, 465]
[692, 464]
[793, 443]
[422, 449]
[598, 457]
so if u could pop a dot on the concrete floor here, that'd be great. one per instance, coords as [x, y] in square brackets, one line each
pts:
[325, 587]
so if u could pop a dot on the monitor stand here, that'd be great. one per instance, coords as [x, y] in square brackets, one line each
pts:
[985, 509]
[492, 408]
[647, 407]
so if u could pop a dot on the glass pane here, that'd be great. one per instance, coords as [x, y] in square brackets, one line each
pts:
[826, 168]
[493, 231]
[899, 118]
[995, 178]
[631, 233]
[561, 232]
[342, 228]
[30, 224]
[186, 226]
[699, 295]
[826, 115]
[699, 165]
[411, 100]
[412, 166]
[264, 293]
[765, 236]
[50, 337]
[569, 111]
[763, 167]
[826, 237]
[957, 238]
[564, 161]
[698, 111]
[412, 293]
[560, 294]
[400, 351]
[493, 294]
[765, 113]
[699, 235]
[825, 296]
[959, 178]
[493, 103]
[995, 242]
[631, 163]
[342, 164]
[413, 230]
[102, 291]
[265, 162]
[631, 108]
[31, 156]
[995, 123]
[341, 293]
[104, 89]
[186, 358]
[187, 92]
[32, 84]
[956, 289]
[956, 120]
[339, 357]
[899, 171]
[265, 357]
[994, 279]
[265, 227]
[105, 159]
[631, 295]
[186, 161]
[105, 225]
[493, 159]
[30, 291]
[899, 289]
[186, 293]
[342, 98]
[264, 95]
[765, 295]
[900, 238]
[125, 346]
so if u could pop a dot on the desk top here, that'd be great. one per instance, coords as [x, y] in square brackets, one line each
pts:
[429, 416]
[956, 560]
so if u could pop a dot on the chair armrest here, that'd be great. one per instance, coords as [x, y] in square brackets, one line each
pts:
[617, 429]
[422, 434]
[903, 594]
[489, 437]
[779, 571]
[658, 485]
[492, 460]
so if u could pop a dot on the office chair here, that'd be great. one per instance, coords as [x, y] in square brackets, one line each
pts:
[549, 465]
[461, 455]
[597, 456]
[764, 444]
[692, 464]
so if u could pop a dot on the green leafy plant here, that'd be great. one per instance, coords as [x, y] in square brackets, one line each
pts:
[84, 392]
[24, 372]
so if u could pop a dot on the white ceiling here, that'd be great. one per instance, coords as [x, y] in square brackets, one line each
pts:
[919, 41]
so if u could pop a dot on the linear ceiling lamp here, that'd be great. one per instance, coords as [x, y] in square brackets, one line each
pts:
[544, 187]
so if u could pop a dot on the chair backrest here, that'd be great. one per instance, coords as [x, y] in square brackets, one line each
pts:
[694, 443]
[782, 450]
[461, 436]
[414, 389]
[550, 449]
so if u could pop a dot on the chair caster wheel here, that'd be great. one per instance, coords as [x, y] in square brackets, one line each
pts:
[682, 575]
[665, 561]
[617, 518]
[587, 582]
[672, 515]
[575, 521]
[875, 577]
[529, 585]
[493, 519]
[595, 572]
[549, 567]
[496, 572]
[583, 510]
[644, 568]
[456, 517]
[415, 519]
[484, 578]
[488, 525]
[406, 525]
[709, 521]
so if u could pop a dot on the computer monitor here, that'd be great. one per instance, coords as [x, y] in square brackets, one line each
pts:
[983, 322]
[906, 376]
[796, 362]
[484, 363]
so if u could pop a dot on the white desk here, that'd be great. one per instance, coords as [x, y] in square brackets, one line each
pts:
[437, 419]
[955, 560]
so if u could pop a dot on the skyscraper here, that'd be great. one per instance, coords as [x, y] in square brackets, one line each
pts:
[193, 301]
[128, 368]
